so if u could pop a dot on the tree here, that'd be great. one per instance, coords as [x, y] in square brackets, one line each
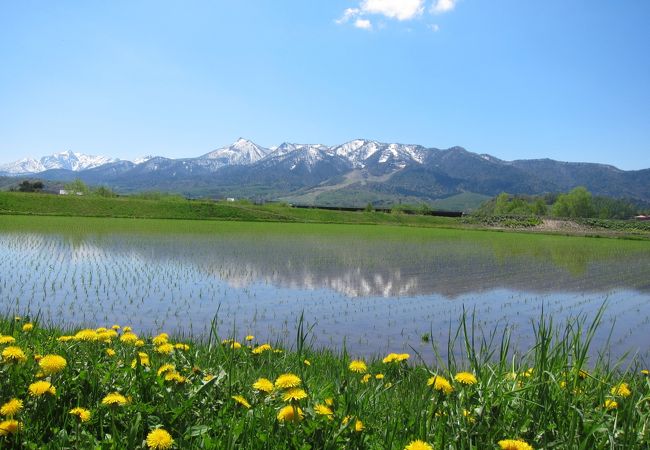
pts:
[27, 186]
[104, 191]
[539, 207]
[77, 186]
[577, 203]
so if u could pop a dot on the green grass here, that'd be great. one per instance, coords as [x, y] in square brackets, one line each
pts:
[91, 206]
[552, 396]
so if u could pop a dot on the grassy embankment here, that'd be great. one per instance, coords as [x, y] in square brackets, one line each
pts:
[58, 205]
[215, 394]
[12, 203]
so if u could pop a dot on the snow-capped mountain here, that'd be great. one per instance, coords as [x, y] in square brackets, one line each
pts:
[65, 160]
[241, 152]
[355, 172]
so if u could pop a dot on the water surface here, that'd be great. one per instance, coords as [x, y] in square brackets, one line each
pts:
[372, 289]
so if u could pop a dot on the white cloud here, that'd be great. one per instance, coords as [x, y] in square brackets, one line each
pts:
[443, 6]
[434, 27]
[394, 9]
[364, 24]
[347, 15]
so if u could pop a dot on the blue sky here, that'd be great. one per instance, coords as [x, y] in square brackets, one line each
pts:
[569, 80]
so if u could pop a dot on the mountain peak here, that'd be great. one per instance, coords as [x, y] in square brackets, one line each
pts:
[241, 152]
[67, 159]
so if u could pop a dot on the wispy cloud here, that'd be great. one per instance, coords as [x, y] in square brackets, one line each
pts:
[347, 15]
[394, 9]
[443, 6]
[364, 24]
[401, 10]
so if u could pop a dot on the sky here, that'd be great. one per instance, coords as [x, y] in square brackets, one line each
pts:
[568, 80]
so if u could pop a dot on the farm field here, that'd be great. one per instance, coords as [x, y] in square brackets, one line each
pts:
[371, 289]
[149, 333]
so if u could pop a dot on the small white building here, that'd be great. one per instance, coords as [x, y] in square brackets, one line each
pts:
[66, 192]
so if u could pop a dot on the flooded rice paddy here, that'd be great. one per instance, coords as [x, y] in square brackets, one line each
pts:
[373, 289]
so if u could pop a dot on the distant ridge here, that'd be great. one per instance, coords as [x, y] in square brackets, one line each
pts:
[355, 173]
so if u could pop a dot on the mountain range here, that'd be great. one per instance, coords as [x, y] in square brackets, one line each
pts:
[351, 174]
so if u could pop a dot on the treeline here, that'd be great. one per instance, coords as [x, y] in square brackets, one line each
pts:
[579, 203]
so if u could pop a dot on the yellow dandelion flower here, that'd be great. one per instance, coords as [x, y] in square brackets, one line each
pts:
[41, 388]
[440, 384]
[241, 400]
[329, 401]
[261, 349]
[139, 343]
[183, 347]
[114, 399]
[129, 338]
[294, 394]
[7, 340]
[307, 362]
[645, 372]
[529, 372]
[358, 366]
[166, 368]
[175, 377]
[582, 374]
[159, 439]
[395, 357]
[290, 414]
[13, 354]
[418, 445]
[366, 378]
[359, 426]
[323, 410]
[116, 327]
[107, 336]
[38, 357]
[100, 329]
[161, 339]
[208, 377]
[514, 444]
[379, 376]
[165, 349]
[28, 327]
[465, 378]
[12, 407]
[110, 352]
[142, 359]
[250, 337]
[610, 404]
[82, 413]
[51, 364]
[65, 338]
[8, 427]
[85, 335]
[621, 389]
[18, 318]
[287, 380]
[126, 329]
